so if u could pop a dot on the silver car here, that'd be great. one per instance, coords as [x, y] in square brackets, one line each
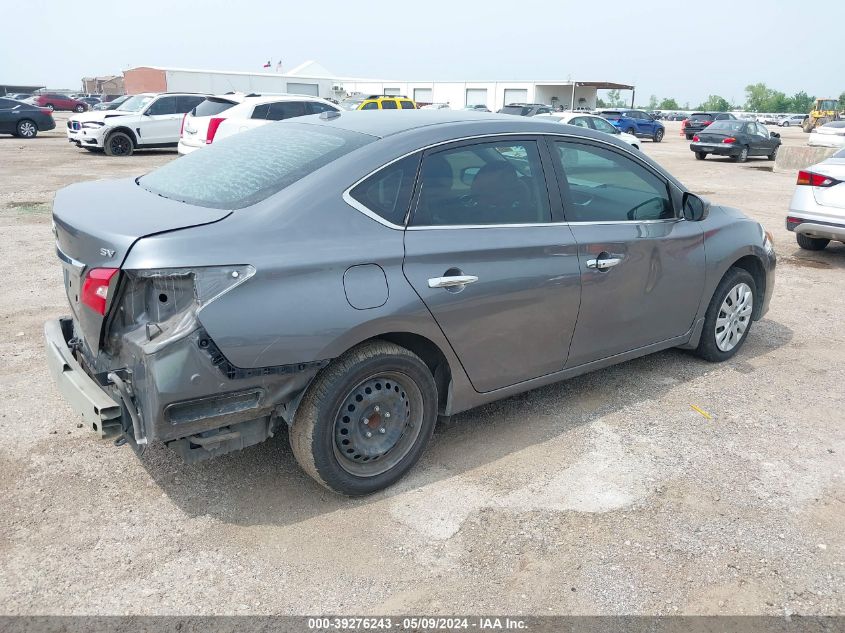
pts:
[355, 275]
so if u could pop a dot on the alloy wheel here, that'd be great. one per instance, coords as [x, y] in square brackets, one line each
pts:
[27, 129]
[377, 424]
[120, 145]
[734, 317]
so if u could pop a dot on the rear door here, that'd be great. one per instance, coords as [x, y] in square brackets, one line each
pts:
[493, 264]
[642, 267]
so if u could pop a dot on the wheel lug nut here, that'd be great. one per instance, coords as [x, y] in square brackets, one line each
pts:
[368, 434]
[376, 409]
[387, 414]
[365, 420]
[382, 430]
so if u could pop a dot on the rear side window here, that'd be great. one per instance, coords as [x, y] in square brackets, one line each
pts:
[286, 110]
[407, 105]
[163, 105]
[315, 107]
[260, 111]
[388, 192]
[212, 106]
[252, 165]
[388, 104]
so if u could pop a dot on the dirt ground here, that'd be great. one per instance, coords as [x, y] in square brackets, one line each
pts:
[606, 494]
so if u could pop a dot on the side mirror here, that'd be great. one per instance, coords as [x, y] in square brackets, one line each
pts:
[775, 135]
[695, 209]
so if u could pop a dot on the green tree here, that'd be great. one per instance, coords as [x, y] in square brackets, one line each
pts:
[652, 102]
[614, 99]
[801, 102]
[669, 104]
[842, 100]
[600, 103]
[756, 97]
[715, 103]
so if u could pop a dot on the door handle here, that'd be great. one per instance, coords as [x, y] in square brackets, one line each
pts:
[451, 282]
[604, 264]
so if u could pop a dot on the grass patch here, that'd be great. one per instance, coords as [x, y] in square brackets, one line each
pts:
[28, 208]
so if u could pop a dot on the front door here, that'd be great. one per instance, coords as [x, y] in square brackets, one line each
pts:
[642, 267]
[161, 122]
[498, 272]
[762, 143]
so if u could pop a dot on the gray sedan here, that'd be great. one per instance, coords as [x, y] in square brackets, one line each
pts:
[354, 276]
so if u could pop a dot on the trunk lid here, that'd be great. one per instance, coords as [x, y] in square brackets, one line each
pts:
[713, 137]
[96, 224]
[197, 121]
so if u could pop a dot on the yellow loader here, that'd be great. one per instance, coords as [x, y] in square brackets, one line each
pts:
[824, 111]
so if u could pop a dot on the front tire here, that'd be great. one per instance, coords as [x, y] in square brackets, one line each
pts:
[774, 153]
[79, 108]
[785, 124]
[366, 419]
[729, 316]
[700, 155]
[658, 136]
[811, 243]
[26, 129]
[50, 107]
[118, 144]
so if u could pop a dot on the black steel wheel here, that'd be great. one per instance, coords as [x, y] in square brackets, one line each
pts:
[118, 144]
[365, 419]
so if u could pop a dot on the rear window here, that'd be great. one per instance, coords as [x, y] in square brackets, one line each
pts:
[726, 125]
[252, 165]
[611, 116]
[520, 110]
[212, 106]
[701, 117]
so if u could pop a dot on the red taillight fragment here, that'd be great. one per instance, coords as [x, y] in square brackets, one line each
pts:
[791, 220]
[213, 124]
[182, 129]
[730, 139]
[816, 180]
[695, 138]
[95, 288]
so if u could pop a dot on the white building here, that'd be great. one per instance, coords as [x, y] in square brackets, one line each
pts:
[313, 79]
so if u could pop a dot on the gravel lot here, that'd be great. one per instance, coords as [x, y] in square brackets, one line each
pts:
[606, 494]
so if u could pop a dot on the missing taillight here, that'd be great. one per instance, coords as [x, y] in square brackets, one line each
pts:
[95, 288]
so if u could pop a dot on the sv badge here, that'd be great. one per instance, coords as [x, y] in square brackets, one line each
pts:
[106, 252]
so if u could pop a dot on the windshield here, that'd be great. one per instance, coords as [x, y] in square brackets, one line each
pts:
[351, 104]
[726, 126]
[520, 110]
[252, 165]
[136, 103]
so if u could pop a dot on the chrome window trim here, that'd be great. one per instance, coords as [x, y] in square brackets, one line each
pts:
[352, 202]
[67, 259]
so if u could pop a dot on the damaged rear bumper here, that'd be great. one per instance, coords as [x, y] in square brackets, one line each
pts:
[184, 393]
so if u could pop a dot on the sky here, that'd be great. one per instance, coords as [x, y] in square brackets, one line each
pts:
[656, 45]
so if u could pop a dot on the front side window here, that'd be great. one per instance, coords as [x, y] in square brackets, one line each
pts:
[164, 105]
[608, 187]
[388, 191]
[388, 104]
[579, 121]
[315, 107]
[252, 165]
[481, 184]
[371, 105]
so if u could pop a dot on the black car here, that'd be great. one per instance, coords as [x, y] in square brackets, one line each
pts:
[697, 121]
[737, 139]
[111, 105]
[24, 120]
[525, 109]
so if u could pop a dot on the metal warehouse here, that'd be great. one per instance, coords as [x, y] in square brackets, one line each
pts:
[311, 78]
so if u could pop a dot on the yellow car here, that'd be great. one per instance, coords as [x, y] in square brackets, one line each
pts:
[379, 102]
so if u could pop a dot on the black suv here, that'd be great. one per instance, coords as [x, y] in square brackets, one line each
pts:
[697, 121]
[525, 109]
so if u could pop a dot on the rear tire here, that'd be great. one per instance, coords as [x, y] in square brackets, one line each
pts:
[631, 131]
[811, 243]
[79, 108]
[700, 155]
[118, 144]
[742, 156]
[729, 316]
[658, 136]
[26, 129]
[50, 107]
[785, 124]
[356, 435]
[689, 136]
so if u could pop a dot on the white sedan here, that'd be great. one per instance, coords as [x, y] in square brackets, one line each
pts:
[828, 135]
[593, 122]
[817, 211]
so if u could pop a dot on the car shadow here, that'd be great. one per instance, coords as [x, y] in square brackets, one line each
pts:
[832, 257]
[263, 484]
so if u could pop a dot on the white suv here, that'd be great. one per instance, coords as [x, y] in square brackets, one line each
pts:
[255, 111]
[145, 121]
[200, 124]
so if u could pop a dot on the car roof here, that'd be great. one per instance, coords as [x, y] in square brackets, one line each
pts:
[382, 123]
[258, 100]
